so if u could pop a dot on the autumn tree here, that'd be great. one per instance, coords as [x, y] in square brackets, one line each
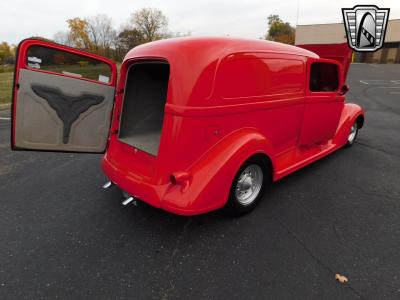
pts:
[79, 33]
[63, 38]
[101, 34]
[7, 53]
[151, 23]
[280, 31]
[126, 40]
[97, 34]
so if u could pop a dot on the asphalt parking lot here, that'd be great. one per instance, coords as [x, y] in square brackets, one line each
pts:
[62, 237]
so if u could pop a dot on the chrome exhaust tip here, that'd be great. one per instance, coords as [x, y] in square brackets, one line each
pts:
[107, 185]
[129, 200]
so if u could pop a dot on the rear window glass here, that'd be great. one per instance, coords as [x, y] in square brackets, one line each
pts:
[324, 77]
[261, 76]
[62, 62]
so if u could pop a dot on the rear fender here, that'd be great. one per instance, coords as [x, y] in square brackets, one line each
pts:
[210, 177]
[349, 115]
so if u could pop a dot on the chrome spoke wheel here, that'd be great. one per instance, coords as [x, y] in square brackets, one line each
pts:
[353, 133]
[249, 184]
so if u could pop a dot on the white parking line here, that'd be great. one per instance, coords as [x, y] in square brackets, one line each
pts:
[381, 81]
[388, 87]
[4, 118]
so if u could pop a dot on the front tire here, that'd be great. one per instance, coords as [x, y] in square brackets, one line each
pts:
[247, 187]
[352, 135]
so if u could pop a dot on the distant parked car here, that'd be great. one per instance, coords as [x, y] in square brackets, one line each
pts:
[193, 124]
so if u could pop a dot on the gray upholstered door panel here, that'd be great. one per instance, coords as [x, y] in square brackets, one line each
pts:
[62, 113]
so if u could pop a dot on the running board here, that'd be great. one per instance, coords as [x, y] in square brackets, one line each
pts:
[300, 158]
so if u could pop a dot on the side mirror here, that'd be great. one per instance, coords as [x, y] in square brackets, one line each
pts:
[344, 89]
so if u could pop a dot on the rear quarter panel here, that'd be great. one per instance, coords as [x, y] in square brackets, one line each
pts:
[212, 174]
[212, 142]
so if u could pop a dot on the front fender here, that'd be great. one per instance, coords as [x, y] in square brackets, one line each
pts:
[211, 176]
[349, 115]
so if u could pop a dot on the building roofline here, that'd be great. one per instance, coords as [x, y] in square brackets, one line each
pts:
[319, 24]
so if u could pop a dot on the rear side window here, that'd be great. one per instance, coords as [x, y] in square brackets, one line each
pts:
[59, 61]
[252, 77]
[324, 77]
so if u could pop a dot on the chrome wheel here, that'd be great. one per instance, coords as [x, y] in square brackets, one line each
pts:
[353, 133]
[249, 184]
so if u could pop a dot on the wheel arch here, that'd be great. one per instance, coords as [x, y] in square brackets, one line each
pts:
[351, 113]
[212, 175]
[360, 121]
[267, 163]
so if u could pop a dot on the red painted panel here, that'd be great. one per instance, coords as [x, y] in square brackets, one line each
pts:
[256, 76]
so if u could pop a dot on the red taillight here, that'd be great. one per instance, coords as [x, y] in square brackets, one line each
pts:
[179, 177]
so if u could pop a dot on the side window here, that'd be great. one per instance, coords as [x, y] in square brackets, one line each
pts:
[58, 61]
[324, 77]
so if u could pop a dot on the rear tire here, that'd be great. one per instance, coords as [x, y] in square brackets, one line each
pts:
[247, 187]
[352, 135]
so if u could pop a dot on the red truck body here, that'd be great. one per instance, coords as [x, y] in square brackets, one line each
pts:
[187, 113]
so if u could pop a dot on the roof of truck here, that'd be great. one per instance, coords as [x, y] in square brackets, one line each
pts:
[219, 45]
[194, 60]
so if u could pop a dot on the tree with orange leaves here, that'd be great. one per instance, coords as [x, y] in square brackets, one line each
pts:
[279, 31]
[79, 33]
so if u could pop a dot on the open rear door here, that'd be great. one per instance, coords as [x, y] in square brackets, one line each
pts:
[339, 52]
[62, 98]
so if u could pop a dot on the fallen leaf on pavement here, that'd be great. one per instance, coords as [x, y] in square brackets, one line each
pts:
[341, 278]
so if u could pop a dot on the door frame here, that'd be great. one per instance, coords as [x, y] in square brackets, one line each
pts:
[318, 98]
[20, 63]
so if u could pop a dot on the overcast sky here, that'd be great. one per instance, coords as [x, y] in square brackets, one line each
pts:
[247, 18]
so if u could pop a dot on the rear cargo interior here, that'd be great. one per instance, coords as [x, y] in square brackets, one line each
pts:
[143, 105]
